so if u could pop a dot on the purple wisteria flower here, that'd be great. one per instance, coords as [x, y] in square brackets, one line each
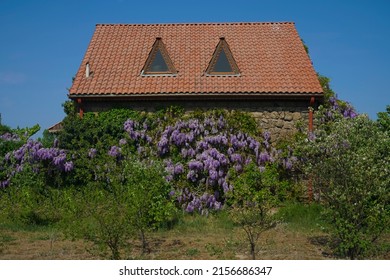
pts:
[92, 153]
[192, 176]
[122, 142]
[213, 174]
[56, 143]
[60, 159]
[264, 157]
[191, 153]
[236, 158]
[4, 184]
[33, 154]
[287, 164]
[349, 112]
[267, 136]
[114, 151]
[195, 165]
[68, 166]
[205, 151]
[7, 156]
[333, 102]
[312, 136]
[178, 169]
[10, 137]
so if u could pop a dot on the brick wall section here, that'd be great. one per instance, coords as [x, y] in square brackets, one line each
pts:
[278, 117]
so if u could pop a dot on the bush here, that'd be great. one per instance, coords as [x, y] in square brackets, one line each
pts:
[198, 149]
[350, 169]
[29, 201]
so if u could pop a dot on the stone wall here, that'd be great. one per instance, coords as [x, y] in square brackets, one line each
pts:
[281, 124]
[278, 117]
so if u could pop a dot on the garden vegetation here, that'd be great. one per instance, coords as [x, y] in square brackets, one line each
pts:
[115, 177]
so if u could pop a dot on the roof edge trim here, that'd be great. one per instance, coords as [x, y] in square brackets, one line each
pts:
[195, 23]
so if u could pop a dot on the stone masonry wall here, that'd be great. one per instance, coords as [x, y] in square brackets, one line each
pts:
[280, 118]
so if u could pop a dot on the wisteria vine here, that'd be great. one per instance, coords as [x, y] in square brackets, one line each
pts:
[199, 155]
[35, 155]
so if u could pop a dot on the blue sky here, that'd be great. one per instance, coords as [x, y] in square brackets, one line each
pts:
[42, 43]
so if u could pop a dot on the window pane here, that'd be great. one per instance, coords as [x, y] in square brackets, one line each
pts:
[222, 64]
[158, 64]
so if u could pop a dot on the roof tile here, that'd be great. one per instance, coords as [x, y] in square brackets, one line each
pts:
[270, 56]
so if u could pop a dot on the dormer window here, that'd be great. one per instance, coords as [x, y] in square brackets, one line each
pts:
[159, 62]
[222, 62]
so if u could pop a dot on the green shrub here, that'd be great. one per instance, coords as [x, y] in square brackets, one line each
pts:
[127, 200]
[349, 165]
[28, 201]
[251, 204]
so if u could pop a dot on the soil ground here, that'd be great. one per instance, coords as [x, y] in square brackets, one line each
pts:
[201, 239]
[277, 243]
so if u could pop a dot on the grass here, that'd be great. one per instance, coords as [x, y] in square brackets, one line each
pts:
[219, 221]
[302, 217]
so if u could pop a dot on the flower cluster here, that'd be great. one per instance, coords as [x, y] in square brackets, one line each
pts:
[10, 137]
[92, 153]
[137, 131]
[201, 204]
[289, 159]
[337, 108]
[115, 151]
[201, 153]
[35, 155]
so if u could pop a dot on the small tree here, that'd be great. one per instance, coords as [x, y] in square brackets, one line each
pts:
[251, 204]
[128, 199]
[148, 194]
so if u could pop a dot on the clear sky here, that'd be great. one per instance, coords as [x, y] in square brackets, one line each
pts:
[42, 43]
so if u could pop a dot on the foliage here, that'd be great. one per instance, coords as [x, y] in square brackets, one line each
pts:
[333, 109]
[349, 166]
[325, 84]
[13, 143]
[384, 119]
[29, 202]
[4, 128]
[241, 121]
[128, 198]
[251, 204]
[52, 163]
[198, 149]
[48, 139]
[11, 139]
[116, 175]
[94, 130]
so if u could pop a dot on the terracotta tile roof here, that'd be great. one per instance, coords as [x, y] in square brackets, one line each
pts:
[270, 56]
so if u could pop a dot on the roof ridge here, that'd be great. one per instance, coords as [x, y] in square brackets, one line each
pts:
[195, 23]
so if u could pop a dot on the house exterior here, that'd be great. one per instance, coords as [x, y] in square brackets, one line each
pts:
[261, 68]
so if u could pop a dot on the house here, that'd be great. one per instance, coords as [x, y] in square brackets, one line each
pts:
[56, 128]
[261, 68]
